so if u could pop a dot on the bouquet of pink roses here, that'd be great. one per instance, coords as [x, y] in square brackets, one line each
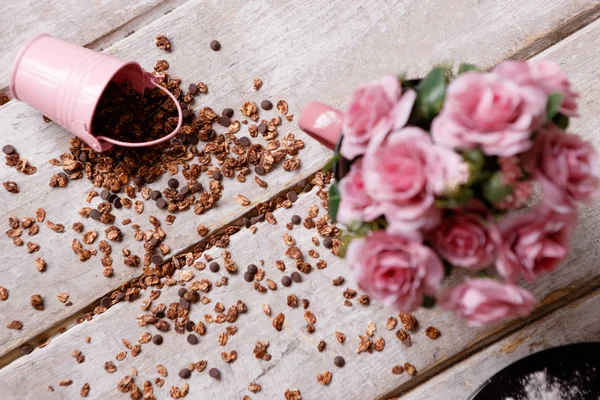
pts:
[440, 174]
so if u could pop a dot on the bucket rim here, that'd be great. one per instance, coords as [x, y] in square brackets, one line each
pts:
[17, 62]
[105, 85]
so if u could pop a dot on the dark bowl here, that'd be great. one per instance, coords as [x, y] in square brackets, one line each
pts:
[577, 363]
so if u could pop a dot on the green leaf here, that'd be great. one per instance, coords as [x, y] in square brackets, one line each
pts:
[483, 274]
[455, 199]
[476, 161]
[561, 121]
[430, 94]
[494, 190]
[428, 302]
[465, 67]
[334, 201]
[329, 166]
[554, 102]
[345, 239]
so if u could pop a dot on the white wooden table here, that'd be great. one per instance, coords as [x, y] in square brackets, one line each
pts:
[301, 51]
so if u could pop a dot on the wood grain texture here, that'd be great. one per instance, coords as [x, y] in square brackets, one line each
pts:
[293, 53]
[576, 323]
[364, 376]
[76, 21]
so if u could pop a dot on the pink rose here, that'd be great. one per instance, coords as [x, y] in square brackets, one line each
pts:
[395, 270]
[464, 240]
[368, 113]
[355, 204]
[532, 243]
[565, 166]
[484, 110]
[405, 173]
[486, 301]
[543, 74]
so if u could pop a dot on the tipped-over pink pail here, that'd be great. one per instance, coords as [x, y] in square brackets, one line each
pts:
[65, 82]
[322, 122]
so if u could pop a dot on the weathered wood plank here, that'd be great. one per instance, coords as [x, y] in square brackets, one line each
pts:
[576, 323]
[278, 46]
[81, 22]
[364, 376]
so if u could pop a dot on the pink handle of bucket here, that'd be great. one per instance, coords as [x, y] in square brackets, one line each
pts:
[157, 141]
[322, 122]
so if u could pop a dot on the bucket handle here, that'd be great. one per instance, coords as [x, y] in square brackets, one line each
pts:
[156, 141]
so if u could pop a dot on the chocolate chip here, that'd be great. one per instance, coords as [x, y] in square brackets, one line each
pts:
[192, 339]
[83, 157]
[185, 373]
[228, 112]
[26, 349]
[247, 222]
[154, 241]
[189, 326]
[117, 203]
[161, 203]
[217, 175]
[173, 183]
[120, 296]
[260, 217]
[214, 267]
[244, 141]
[104, 194]
[183, 303]
[214, 373]
[296, 277]
[95, 214]
[193, 88]
[262, 128]
[248, 276]
[327, 243]
[8, 149]
[307, 188]
[160, 314]
[215, 45]
[253, 269]
[339, 361]
[139, 181]
[296, 219]
[302, 183]
[105, 302]
[266, 105]
[112, 197]
[185, 190]
[63, 175]
[286, 281]
[155, 195]
[197, 188]
[225, 121]
[259, 170]
[156, 259]
[292, 196]
[193, 139]
[157, 340]
[181, 292]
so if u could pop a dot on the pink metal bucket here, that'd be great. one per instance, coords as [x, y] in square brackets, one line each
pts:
[65, 83]
[322, 122]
